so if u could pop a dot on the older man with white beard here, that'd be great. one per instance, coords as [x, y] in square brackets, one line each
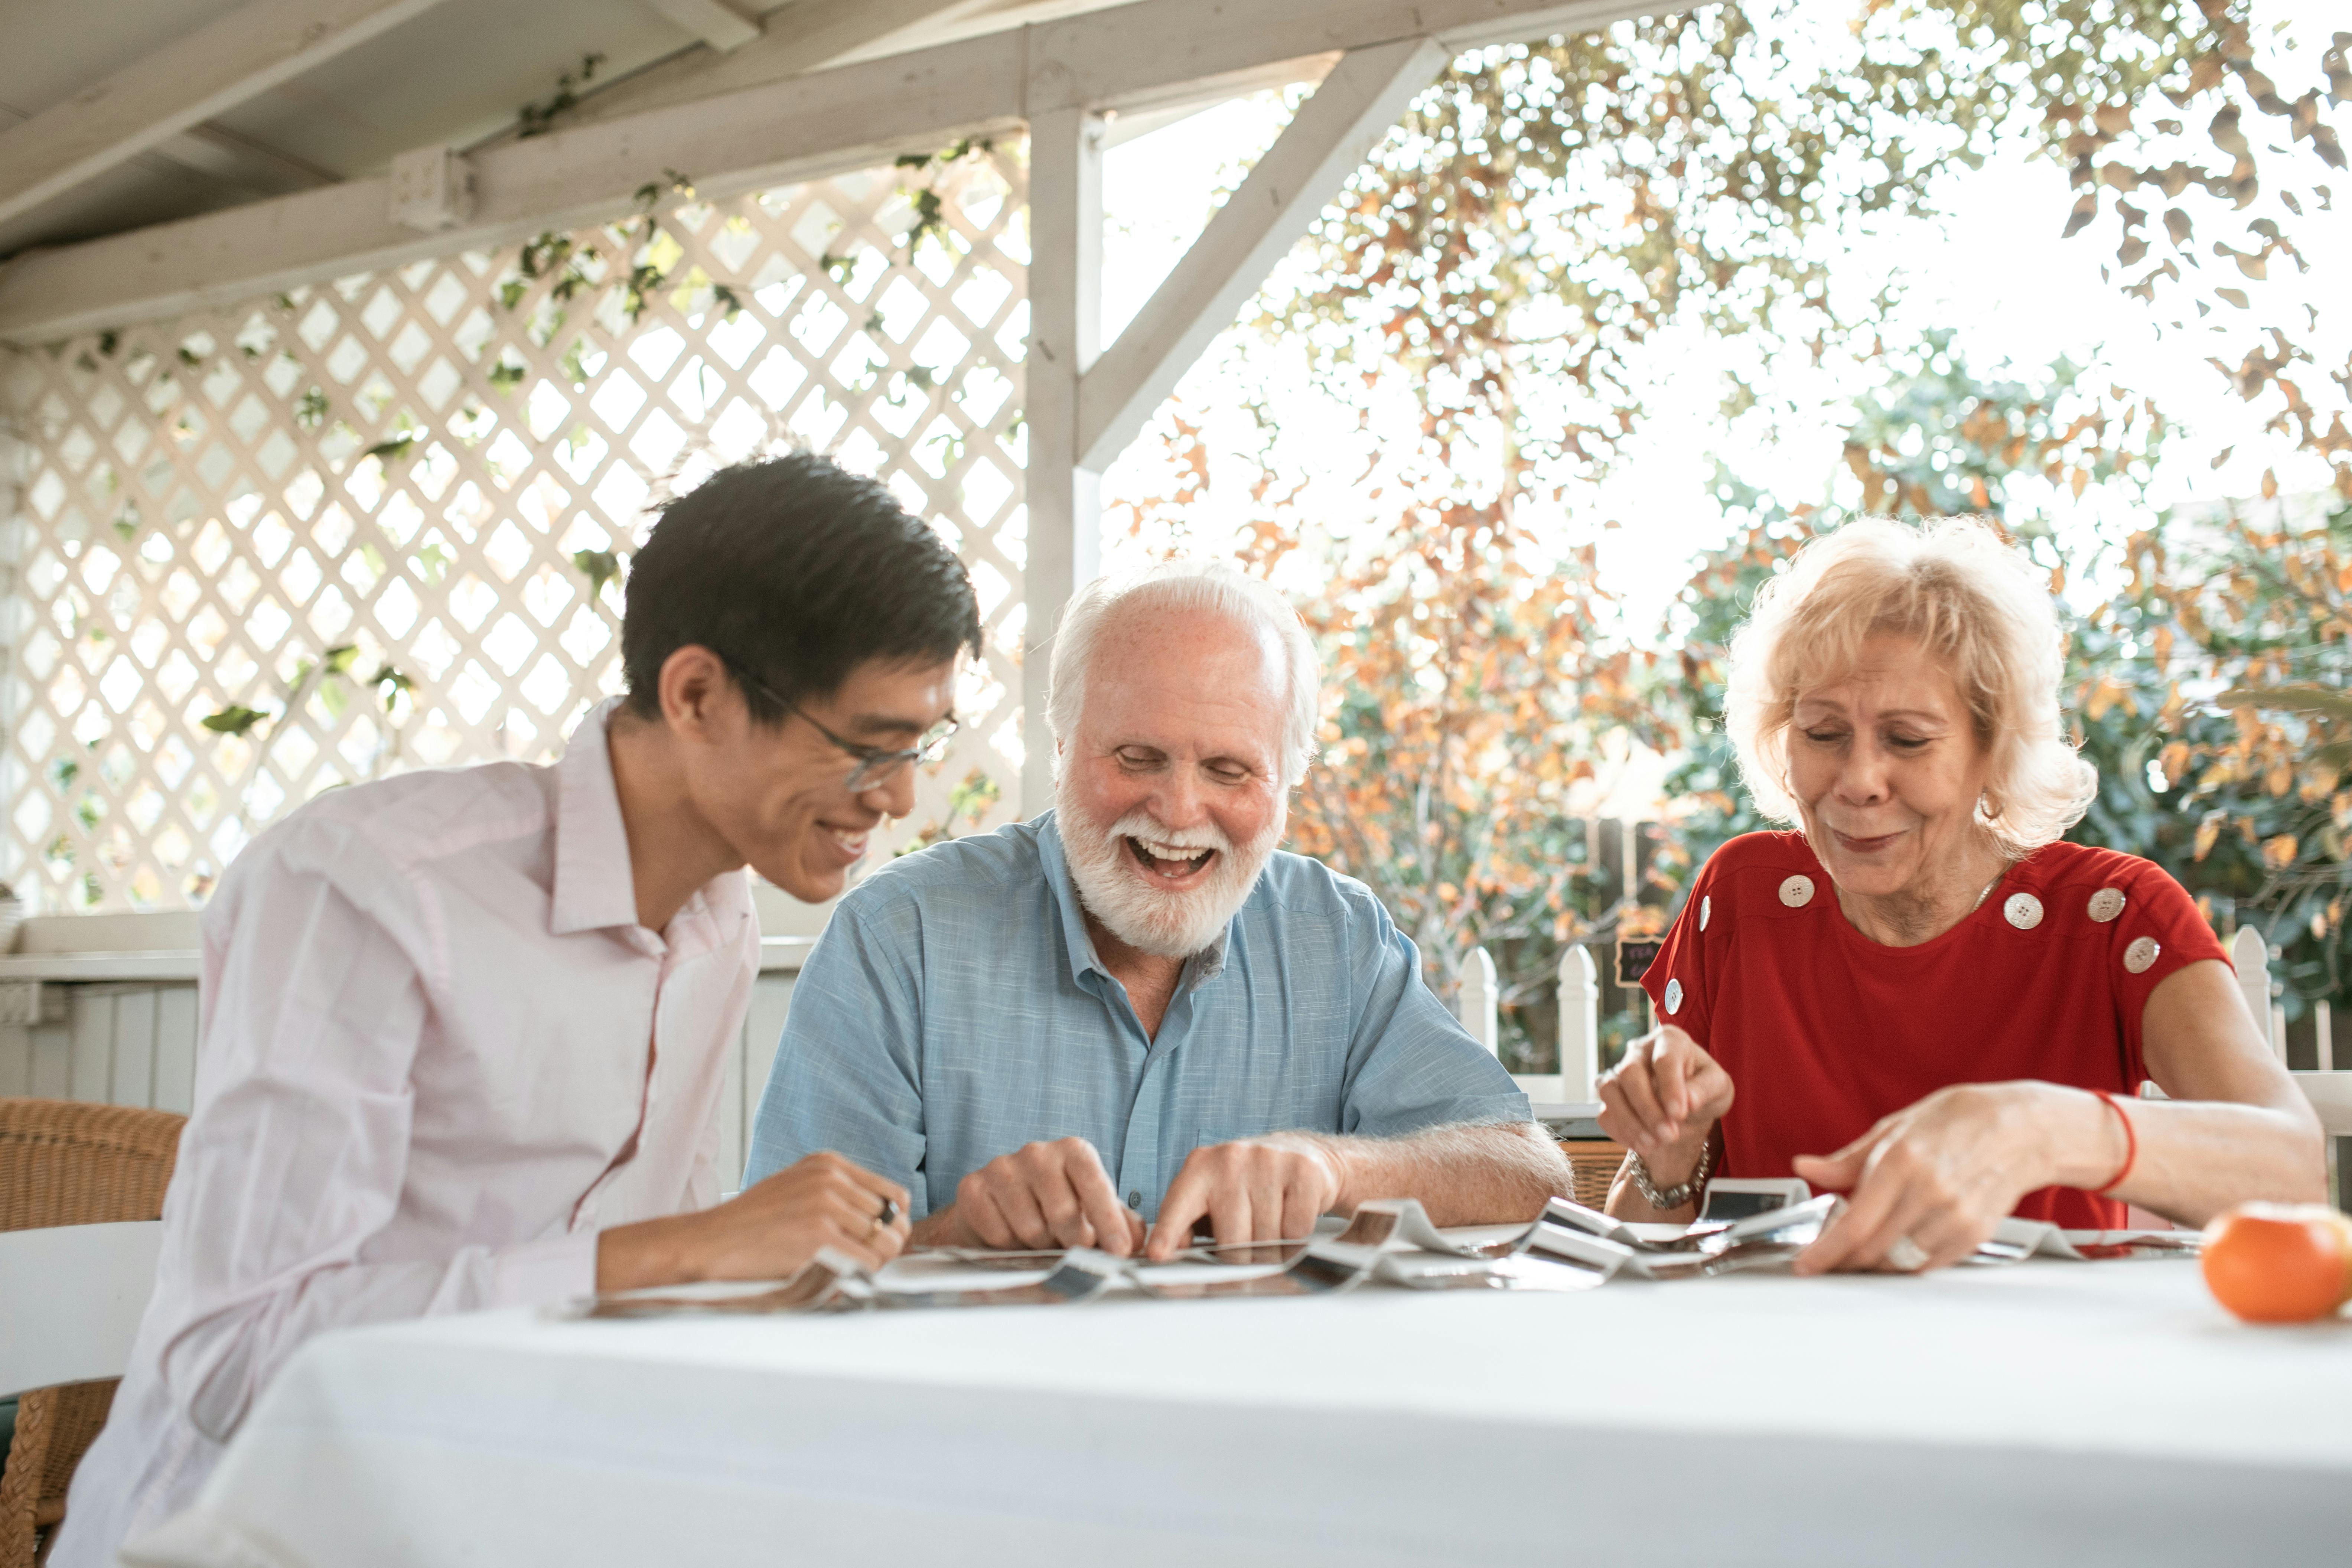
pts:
[1134, 1012]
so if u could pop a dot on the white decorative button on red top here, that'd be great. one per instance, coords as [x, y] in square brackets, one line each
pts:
[2141, 954]
[2024, 911]
[1674, 995]
[2107, 904]
[1797, 892]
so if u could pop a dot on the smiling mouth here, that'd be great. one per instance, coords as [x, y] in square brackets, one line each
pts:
[1168, 862]
[1866, 845]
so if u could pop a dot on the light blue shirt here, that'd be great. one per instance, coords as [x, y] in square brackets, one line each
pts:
[955, 1009]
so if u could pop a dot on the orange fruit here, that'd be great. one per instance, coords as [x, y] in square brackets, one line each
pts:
[2280, 1263]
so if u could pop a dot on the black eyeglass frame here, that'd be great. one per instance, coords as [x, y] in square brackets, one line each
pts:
[875, 766]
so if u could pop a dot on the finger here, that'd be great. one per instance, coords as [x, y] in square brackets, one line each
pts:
[1136, 1232]
[880, 1186]
[1642, 1104]
[1948, 1237]
[1022, 1214]
[1229, 1211]
[1670, 1076]
[1914, 1212]
[1061, 1210]
[1187, 1200]
[978, 1208]
[1890, 1204]
[1869, 1205]
[1107, 1219]
[1302, 1206]
[861, 1246]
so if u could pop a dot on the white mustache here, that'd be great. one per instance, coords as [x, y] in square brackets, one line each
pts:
[1141, 824]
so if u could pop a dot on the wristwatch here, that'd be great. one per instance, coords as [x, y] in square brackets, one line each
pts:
[1676, 1196]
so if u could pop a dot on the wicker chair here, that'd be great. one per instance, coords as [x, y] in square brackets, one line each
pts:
[1594, 1162]
[68, 1163]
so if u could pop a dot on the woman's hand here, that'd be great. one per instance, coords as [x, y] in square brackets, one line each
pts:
[1943, 1171]
[1662, 1101]
[766, 1232]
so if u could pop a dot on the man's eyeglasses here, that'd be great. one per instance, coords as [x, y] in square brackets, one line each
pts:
[875, 766]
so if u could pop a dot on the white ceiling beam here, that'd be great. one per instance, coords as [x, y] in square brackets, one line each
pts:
[214, 68]
[1327, 140]
[849, 117]
[721, 26]
[800, 37]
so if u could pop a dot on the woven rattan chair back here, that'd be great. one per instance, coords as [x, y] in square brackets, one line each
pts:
[68, 1163]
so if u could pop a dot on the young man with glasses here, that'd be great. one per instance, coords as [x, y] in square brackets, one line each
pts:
[463, 1031]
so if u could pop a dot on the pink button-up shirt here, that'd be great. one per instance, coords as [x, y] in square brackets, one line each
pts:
[437, 1054]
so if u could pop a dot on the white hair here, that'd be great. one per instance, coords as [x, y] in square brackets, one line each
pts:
[1977, 608]
[1178, 586]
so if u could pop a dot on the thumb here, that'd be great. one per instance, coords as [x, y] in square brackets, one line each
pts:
[1837, 1173]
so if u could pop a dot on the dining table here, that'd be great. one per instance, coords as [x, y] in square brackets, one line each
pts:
[2049, 1411]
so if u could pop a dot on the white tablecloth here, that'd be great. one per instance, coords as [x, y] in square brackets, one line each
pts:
[2049, 1413]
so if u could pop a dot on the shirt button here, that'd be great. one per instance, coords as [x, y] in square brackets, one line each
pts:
[1135, 1200]
[1706, 910]
[2140, 956]
[2107, 904]
[1673, 997]
[2024, 911]
[1797, 892]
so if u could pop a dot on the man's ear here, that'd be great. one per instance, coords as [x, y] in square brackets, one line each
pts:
[697, 692]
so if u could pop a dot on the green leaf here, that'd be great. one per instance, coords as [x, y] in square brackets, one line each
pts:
[339, 658]
[233, 720]
[599, 566]
[394, 450]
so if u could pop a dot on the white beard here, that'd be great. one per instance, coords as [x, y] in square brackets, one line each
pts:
[1119, 893]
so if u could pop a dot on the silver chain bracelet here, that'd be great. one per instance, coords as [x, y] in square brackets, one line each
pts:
[1674, 1197]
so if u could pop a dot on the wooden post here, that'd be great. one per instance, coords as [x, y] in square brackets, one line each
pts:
[1580, 1026]
[1065, 221]
[1475, 1002]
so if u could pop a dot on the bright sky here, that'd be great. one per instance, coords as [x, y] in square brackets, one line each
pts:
[1997, 271]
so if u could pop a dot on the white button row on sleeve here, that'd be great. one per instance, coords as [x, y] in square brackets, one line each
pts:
[2107, 904]
[1673, 997]
[2024, 911]
[1797, 892]
[1706, 910]
[2141, 954]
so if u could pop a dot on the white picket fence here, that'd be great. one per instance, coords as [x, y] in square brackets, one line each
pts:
[1475, 1001]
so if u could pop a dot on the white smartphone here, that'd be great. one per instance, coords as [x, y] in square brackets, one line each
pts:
[1737, 1198]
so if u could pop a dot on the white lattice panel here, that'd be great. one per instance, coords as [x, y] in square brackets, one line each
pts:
[211, 521]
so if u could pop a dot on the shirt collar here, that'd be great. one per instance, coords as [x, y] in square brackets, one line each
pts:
[1078, 943]
[594, 886]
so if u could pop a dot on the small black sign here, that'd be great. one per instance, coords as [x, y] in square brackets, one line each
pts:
[1633, 959]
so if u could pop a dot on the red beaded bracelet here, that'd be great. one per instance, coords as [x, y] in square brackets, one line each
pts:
[2131, 1146]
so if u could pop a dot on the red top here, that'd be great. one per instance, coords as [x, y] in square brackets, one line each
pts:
[1824, 1031]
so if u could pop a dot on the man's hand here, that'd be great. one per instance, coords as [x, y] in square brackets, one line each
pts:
[1663, 1102]
[1041, 1195]
[766, 1232]
[1943, 1172]
[1258, 1189]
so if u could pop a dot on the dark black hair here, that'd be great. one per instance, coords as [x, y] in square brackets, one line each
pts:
[795, 572]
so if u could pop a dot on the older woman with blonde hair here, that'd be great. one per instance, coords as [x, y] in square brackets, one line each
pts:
[1921, 996]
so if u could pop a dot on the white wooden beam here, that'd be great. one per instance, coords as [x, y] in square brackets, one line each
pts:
[1063, 497]
[1324, 144]
[721, 26]
[216, 68]
[848, 117]
[800, 38]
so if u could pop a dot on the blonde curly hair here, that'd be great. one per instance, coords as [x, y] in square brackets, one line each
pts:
[1979, 608]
